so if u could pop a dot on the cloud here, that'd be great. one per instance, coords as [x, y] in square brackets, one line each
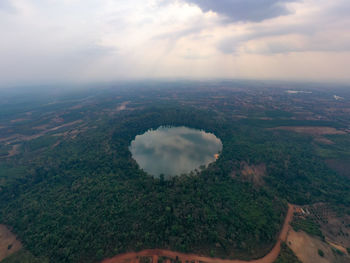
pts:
[245, 10]
[7, 6]
[175, 35]
[315, 27]
[105, 40]
[295, 43]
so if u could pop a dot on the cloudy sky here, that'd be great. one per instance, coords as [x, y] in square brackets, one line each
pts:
[103, 40]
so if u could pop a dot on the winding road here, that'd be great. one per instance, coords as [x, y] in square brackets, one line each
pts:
[133, 257]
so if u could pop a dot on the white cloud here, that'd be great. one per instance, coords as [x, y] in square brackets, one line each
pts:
[92, 40]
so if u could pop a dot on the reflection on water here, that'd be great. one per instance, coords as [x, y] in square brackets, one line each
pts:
[174, 150]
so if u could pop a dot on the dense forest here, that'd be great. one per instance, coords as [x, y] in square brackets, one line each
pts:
[86, 199]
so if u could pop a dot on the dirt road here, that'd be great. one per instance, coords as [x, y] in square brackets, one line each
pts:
[156, 253]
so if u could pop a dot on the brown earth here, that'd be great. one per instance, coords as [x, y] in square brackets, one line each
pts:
[339, 247]
[122, 106]
[323, 140]
[251, 173]
[156, 253]
[306, 248]
[41, 127]
[14, 150]
[8, 243]
[18, 120]
[335, 228]
[317, 131]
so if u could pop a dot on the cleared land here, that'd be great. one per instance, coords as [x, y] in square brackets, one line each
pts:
[332, 241]
[251, 173]
[306, 248]
[316, 131]
[8, 243]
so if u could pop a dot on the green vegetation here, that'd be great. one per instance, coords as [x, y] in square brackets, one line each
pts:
[321, 253]
[307, 225]
[294, 171]
[340, 149]
[85, 198]
[88, 198]
[10, 172]
[40, 143]
[337, 252]
[4, 150]
[287, 255]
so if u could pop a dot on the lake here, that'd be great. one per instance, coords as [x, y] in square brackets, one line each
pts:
[174, 150]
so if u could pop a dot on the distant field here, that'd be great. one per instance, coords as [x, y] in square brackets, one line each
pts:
[341, 166]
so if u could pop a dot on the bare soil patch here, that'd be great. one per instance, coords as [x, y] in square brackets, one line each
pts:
[122, 106]
[8, 243]
[337, 230]
[316, 131]
[324, 140]
[14, 150]
[18, 120]
[338, 247]
[306, 248]
[251, 173]
[41, 127]
[334, 228]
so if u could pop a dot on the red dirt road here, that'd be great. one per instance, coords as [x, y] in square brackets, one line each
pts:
[133, 257]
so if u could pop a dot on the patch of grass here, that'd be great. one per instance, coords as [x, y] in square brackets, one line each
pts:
[11, 172]
[321, 253]
[339, 150]
[39, 143]
[307, 225]
[4, 150]
[337, 252]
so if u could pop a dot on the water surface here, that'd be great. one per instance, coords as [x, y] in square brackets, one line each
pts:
[174, 150]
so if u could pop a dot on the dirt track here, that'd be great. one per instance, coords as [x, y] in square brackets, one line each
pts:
[156, 253]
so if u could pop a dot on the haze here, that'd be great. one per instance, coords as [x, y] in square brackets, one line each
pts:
[104, 40]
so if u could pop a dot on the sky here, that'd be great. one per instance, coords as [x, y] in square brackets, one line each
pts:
[48, 41]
